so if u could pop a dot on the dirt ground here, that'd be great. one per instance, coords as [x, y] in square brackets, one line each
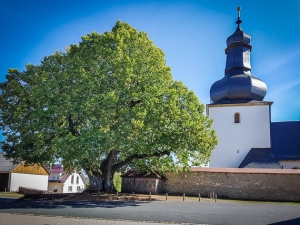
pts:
[111, 197]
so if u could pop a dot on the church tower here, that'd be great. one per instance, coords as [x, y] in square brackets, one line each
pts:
[240, 116]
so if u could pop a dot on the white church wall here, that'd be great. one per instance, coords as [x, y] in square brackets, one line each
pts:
[236, 139]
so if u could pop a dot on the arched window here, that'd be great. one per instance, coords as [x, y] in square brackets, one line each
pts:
[237, 118]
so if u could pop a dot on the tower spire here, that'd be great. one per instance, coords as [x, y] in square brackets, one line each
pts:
[238, 84]
[239, 21]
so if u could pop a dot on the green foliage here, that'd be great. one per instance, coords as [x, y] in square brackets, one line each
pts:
[118, 181]
[111, 92]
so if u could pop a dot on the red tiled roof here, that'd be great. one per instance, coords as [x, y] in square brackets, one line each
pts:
[56, 168]
[64, 178]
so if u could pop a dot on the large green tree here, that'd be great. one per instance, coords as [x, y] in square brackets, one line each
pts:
[105, 104]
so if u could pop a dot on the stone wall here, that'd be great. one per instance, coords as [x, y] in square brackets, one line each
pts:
[141, 185]
[251, 184]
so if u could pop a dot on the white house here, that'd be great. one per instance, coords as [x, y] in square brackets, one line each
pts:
[242, 119]
[61, 181]
[14, 175]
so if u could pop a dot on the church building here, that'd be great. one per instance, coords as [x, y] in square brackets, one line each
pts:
[242, 118]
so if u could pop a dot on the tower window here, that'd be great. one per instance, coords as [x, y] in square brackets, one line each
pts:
[237, 118]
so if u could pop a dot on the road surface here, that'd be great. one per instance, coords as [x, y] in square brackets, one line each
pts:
[161, 211]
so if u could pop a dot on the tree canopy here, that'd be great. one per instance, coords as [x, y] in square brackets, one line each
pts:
[108, 103]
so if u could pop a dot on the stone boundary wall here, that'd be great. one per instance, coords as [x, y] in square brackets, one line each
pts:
[250, 184]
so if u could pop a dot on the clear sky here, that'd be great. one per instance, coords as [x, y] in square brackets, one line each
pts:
[192, 35]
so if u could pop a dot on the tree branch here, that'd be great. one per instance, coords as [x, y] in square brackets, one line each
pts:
[108, 162]
[72, 126]
[137, 156]
[133, 103]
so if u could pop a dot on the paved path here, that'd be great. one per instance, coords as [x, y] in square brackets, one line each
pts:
[14, 219]
[156, 211]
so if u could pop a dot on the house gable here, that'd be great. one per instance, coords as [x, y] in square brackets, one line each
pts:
[73, 182]
[31, 169]
[7, 166]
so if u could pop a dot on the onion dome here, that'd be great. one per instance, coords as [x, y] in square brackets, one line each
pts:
[238, 84]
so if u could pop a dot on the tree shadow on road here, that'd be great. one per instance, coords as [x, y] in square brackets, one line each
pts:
[295, 221]
[54, 203]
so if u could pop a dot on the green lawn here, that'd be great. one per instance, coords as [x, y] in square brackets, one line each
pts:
[11, 194]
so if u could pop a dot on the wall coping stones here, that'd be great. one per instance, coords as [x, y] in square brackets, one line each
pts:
[244, 170]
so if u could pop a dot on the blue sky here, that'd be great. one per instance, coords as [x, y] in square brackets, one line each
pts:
[192, 35]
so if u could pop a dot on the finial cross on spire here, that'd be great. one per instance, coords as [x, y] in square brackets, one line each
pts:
[239, 21]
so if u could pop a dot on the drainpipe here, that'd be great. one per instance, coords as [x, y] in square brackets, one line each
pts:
[9, 181]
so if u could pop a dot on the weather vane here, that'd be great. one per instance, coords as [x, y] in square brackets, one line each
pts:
[239, 21]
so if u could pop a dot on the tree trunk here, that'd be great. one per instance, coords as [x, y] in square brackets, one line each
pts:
[95, 182]
[108, 181]
[108, 172]
[103, 181]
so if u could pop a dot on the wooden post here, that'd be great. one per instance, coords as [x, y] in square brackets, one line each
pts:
[133, 195]
[216, 197]
[183, 196]
[166, 196]
[213, 195]
[199, 197]
[150, 196]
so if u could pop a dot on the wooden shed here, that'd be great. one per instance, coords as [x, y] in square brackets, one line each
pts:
[141, 183]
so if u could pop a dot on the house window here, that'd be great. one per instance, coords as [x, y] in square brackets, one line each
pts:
[70, 189]
[78, 188]
[72, 179]
[77, 180]
[237, 118]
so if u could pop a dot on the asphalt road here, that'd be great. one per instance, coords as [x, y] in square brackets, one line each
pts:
[161, 211]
